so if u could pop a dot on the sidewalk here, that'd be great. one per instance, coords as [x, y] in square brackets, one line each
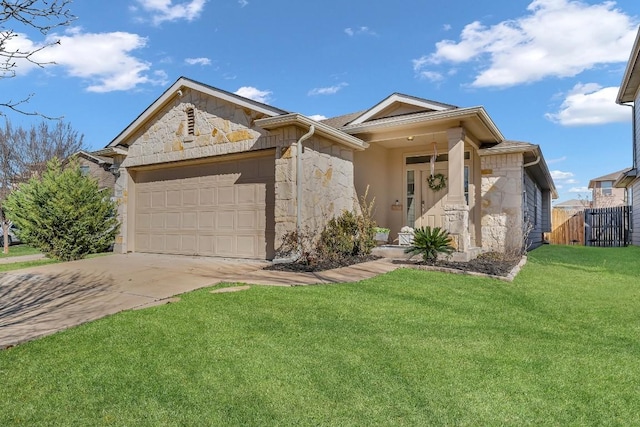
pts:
[21, 258]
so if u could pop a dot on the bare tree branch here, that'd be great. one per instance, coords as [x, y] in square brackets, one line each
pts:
[42, 15]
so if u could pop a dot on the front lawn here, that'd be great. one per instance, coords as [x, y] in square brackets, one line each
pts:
[558, 346]
[19, 250]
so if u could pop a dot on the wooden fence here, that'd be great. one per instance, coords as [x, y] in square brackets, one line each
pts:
[607, 227]
[567, 227]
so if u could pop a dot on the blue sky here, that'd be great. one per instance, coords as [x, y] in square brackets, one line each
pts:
[547, 71]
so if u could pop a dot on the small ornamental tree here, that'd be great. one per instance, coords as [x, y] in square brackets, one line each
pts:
[63, 213]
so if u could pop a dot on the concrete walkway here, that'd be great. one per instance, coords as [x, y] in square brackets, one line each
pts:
[39, 301]
[21, 258]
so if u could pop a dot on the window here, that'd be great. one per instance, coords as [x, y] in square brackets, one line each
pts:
[411, 209]
[84, 169]
[191, 121]
[606, 188]
[466, 184]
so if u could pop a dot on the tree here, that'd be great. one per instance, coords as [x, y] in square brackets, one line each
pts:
[63, 213]
[24, 153]
[41, 15]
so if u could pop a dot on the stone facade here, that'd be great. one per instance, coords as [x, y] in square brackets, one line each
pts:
[327, 181]
[502, 204]
[222, 128]
[219, 127]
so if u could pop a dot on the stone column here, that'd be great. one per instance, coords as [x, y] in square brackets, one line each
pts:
[456, 211]
[285, 189]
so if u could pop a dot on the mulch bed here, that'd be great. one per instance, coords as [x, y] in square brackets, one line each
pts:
[299, 267]
[488, 263]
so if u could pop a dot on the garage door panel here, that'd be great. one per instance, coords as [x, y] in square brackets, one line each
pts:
[225, 196]
[246, 194]
[216, 209]
[246, 220]
[224, 245]
[158, 199]
[190, 220]
[144, 200]
[246, 245]
[206, 220]
[172, 221]
[225, 221]
[188, 243]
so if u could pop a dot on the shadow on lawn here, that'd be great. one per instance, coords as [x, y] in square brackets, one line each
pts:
[31, 303]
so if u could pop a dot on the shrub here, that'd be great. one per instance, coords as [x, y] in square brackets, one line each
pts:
[63, 213]
[429, 242]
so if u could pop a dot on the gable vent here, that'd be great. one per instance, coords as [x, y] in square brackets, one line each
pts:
[191, 121]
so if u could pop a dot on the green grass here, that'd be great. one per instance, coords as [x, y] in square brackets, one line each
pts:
[558, 346]
[19, 250]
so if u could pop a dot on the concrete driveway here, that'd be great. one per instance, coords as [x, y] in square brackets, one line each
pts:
[42, 300]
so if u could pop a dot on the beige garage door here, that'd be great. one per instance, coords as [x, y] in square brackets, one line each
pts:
[217, 209]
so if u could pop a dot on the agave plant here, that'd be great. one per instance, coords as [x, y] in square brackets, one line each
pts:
[430, 242]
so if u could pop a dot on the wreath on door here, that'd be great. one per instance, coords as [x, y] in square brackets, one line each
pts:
[437, 182]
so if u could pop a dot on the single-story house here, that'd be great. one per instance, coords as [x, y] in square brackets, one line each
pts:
[573, 205]
[629, 94]
[98, 167]
[207, 172]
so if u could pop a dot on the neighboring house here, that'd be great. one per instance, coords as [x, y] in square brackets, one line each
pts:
[605, 194]
[204, 171]
[573, 205]
[98, 167]
[629, 94]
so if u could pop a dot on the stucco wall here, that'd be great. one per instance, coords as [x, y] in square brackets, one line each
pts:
[372, 169]
[502, 202]
[615, 198]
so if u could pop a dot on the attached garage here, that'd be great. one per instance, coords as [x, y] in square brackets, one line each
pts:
[221, 208]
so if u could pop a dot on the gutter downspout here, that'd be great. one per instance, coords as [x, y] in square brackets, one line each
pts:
[535, 162]
[299, 148]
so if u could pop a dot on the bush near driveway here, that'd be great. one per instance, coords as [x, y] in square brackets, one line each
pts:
[558, 346]
[63, 213]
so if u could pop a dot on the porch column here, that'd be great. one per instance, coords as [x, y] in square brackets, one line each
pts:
[456, 210]
[455, 191]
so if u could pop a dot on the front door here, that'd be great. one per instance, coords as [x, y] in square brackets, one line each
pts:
[424, 205]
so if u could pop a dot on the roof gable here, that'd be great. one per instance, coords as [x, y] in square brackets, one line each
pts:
[175, 90]
[399, 104]
[631, 79]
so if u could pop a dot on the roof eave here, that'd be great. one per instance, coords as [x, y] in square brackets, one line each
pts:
[322, 129]
[458, 113]
[626, 179]
[625, 93]
[173, 91]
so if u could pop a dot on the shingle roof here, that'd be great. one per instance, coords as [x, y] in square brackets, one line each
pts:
[340, 121]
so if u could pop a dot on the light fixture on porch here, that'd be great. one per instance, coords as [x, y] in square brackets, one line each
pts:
[410, 138]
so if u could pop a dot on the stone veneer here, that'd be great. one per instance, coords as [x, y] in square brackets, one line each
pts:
[225, 128]
[502, 210]
[220, 128]
[327, 181]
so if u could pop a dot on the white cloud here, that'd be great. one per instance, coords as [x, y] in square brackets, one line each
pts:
[104, 60]
[579, 190]
[198, 61]
[331, 90]
[432, 76]
[253, 93]
[165, 10]
[556, 38]
[590, 104]
[446, 27]
[561, 175]
[243, 3]
[317, 117]
[360, 31]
